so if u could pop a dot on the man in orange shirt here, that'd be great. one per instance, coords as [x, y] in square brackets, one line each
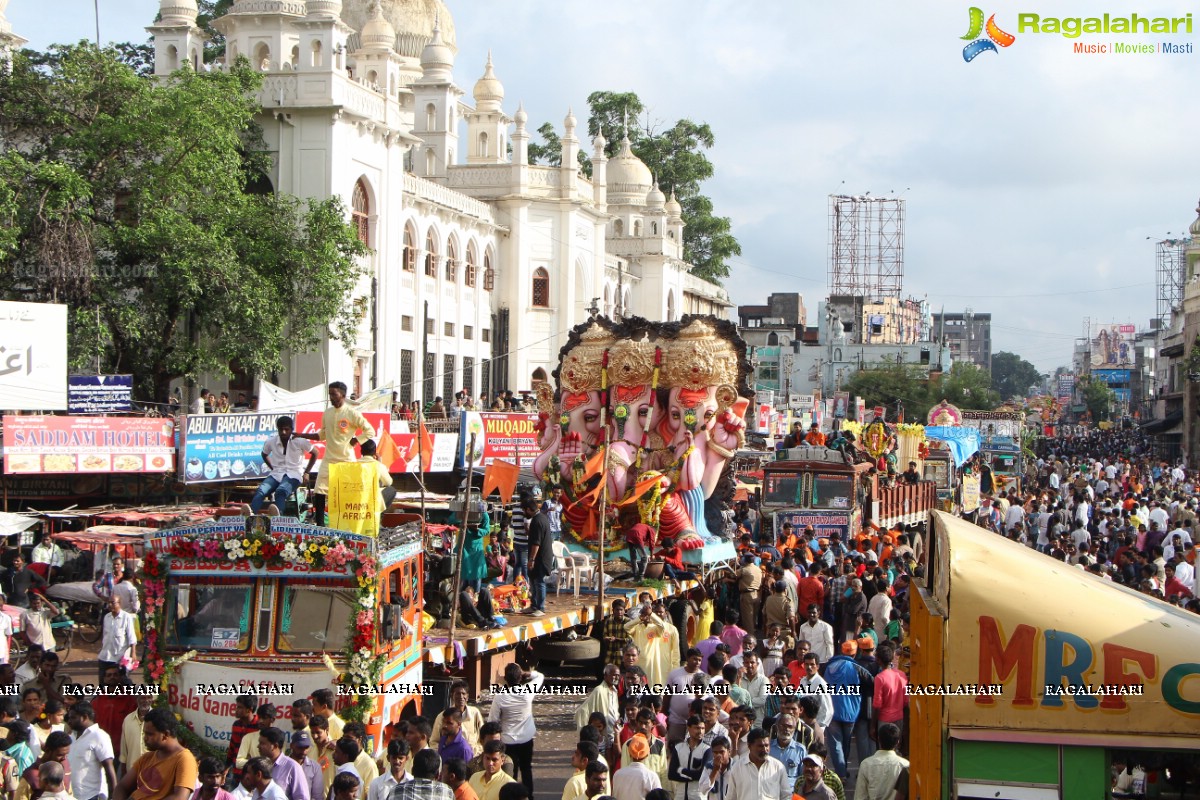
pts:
[815, 437]
[168, 770]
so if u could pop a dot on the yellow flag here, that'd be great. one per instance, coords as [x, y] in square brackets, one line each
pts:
[354, 498]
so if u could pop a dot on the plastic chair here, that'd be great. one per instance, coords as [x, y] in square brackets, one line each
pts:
[565, 568]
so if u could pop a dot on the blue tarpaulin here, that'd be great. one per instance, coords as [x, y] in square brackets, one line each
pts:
[963, 442]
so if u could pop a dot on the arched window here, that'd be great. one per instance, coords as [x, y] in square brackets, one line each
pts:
[262, 57]
[541, 288]
[671, 306]
[472, 266]
[637, 227]
[452, 261]
[360, 212]
[295, 62]
[431, 254]
[317, 58]
[607, 302]
[373, 78]
[483, 145]
[654, 229]
[172, 58]
[619, 227]
[195, 60]
[539, 376]
[430, 117]
[410, 249]
[429, 163]
[489, 275]
[772, 339]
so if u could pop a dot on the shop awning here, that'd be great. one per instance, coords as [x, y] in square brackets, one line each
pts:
[1167, 424]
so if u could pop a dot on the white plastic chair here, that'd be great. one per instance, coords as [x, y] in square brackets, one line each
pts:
[566, 568]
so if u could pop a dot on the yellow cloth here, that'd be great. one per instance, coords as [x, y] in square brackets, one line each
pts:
[385, 480]
[337, 727]
[658, 642]
[248, 749]
[365, 766]
[703, 623]
[491, 789]
[576, 788]
[338, 427]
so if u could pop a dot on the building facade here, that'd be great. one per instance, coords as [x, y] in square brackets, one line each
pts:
[480, 262]
[967, 334]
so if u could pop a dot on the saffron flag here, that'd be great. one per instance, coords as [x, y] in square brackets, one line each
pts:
[388, 453]
[354, 498]
[501, 476]
[426, 444]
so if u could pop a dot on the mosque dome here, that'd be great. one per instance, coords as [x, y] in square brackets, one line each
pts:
[171, 12]
[324, 8]
[437, 60]
[489, 92]
[629, 179]
[674, 210]
[412, 21]
[1194, 230]
[655, 198]
[378, 33]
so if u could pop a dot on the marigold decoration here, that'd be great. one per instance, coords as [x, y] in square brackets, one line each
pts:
[363, 666]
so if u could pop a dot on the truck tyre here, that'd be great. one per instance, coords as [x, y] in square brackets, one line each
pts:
[582, 649]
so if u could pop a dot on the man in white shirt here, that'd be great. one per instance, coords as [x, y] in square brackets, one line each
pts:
[48, 552]
[812, 683]
[6, 632]
[118, 637]
[93, 774]
[513, 709]
[1014, 517]
[1159, 514]
[257, 775]
[755, 684]
[284, 454]
[397, 754]
[759, 776]
[818, 633]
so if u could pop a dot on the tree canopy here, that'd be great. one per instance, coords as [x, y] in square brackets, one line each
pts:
[1012, 375]
[677, 158]
[128, 201]
[1098, 398]
[966, 386]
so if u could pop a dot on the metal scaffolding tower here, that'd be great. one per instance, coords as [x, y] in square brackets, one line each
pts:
[1171, 260]
[866, 246]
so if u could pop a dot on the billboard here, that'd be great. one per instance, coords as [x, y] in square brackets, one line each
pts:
[1066, 387]
[499, 436]
[33, 357]
[1112, 377]
[40, 445]
[1113, 347]
[99, 394]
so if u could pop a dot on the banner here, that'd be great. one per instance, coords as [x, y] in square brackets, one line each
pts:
[274, 399]
[970, 493]
[403, 455]
[310, 422]
[498, 435]
[841, 404]
[99, 394]
[1113, 346]
[354, 498]
[33, 357]
[962, 442]
[224, 447]
[824, 523]
[37, 445]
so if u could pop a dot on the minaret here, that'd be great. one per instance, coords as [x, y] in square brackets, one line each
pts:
[487, 125]
[436, 107]
[178, 40]
[600, 172]
[9, 41]
[374, 60]
[520, 138]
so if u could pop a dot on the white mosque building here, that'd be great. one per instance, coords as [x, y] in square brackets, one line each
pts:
[480, 262]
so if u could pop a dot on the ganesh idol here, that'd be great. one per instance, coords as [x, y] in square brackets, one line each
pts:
[703, 425]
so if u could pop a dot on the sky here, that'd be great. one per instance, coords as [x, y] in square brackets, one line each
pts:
[1036, 180]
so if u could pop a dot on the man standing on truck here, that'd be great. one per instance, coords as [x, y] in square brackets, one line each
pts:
[341, 427]
[283, 454]
[541, 555]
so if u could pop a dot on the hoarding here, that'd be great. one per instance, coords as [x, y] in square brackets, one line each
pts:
[224, 447]
[33, 357]
[1112, 377]
[499, 435]
[99, 394]
[68, 445]
[1113, 346]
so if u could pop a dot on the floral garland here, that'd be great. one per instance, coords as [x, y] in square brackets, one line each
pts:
[363, 666]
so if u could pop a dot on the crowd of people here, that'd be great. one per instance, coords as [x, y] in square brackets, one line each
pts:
[1106, 504]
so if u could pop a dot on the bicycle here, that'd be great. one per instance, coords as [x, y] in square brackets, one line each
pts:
[64, 629]
[88, 618]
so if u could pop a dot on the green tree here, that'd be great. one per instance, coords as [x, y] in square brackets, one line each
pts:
[1098, 398]
[131, 207]
[677, 158]
[1012, 375]
[888, 384]
[966, 386]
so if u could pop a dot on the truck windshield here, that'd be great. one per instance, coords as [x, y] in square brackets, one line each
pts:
[314, 618]
[203, 616]
[781, 489]
[832, 491]
[938, 472]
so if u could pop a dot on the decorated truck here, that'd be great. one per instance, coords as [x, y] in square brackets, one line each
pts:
[276, 608]
[1033, 679]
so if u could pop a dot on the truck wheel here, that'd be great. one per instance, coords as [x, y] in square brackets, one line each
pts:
[583, 649]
